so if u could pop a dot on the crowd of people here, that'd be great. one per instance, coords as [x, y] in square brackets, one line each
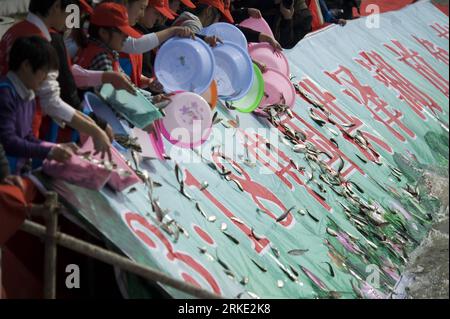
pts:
[45, 69]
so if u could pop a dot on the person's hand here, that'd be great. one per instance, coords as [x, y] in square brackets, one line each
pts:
[161, 98]
[119, 81]
[182, 32]
[156, 87]
[102, 143]
[145, 82]
[342, 22]
[15, 180]
[213, 41]
[62, 152]
[263, 37]
[254, 13]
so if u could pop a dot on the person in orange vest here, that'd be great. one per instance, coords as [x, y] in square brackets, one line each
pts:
[43, 16]
[156, 15]
[131, 50]
[207, 12]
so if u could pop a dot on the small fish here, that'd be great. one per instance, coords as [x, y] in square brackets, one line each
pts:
[314, 278]
[200, 209]
[263, 269]
[316, 118]
[349, 125]
[294, 271]
[298, 252]
[223, 264]
[238, 185]
[225, 172]
[358, 188]
[322, 188]
[299, 148]
[330, 269]
[295, 165]
[301, 212]
[253, 295]
[361, 159]
[285, 215]
[312, 217]
[244, 281]
[133, 190]
[332, 140]
[332, 232]
[371, 244]
[237, 220]
[275, 251]
[204, 186]
[234, 240]
[179, 174]
[288, 274]
[229, 273]
[183, 231]
[320, 196]
[332, 131]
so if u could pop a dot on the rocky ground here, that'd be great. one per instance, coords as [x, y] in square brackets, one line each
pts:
[427, 274]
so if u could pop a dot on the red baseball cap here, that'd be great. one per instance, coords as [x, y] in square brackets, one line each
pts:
[163, 7]
[86, 7]
[221, 6]
[188, 3]
[113, 15]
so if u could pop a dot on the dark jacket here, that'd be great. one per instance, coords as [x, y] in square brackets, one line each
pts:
[4, 165]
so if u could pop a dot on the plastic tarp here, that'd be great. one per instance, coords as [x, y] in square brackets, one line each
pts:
[258, 218]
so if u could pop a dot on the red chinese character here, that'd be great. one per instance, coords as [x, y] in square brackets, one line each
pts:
[136, 222]
[280, 164]
[345, 122]
[442, 30]
[366, 96]
[259, 245]
[439, 53]
[418, 63]
[393, 79]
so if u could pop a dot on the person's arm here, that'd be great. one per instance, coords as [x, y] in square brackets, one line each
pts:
[88, 78]
[13, 144]
[55, 107]
[141, 45]
[171, 32]
[193, 25]
[250, 34]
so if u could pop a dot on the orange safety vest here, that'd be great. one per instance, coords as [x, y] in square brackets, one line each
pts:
[19, 30]
[318, 21]
[137, 63]
[86, 55]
